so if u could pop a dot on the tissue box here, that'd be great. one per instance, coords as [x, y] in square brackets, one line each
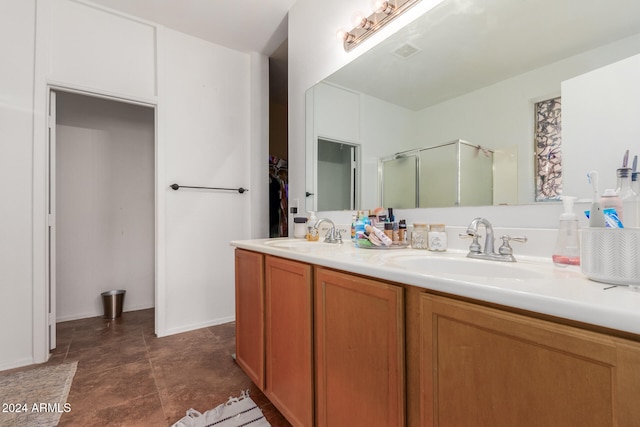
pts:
[611, 255]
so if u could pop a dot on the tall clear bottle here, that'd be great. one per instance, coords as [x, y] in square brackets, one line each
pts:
[628, 197]
[567, 250]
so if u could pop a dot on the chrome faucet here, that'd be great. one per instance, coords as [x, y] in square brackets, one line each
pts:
[333, 235]
[505, 252]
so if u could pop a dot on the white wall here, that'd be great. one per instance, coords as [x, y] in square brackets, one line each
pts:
[94, 48]
[104, 204]
[386, 129]
[211, 120]
[17, 37]
[205, 116]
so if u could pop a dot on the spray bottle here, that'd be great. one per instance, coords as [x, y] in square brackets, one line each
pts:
[567, 250]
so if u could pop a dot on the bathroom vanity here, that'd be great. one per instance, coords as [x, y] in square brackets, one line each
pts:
[335, 335]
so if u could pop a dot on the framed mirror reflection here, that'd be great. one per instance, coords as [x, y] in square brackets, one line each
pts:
[470, 71]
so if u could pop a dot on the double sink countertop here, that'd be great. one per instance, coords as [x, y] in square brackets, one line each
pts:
[532, 283]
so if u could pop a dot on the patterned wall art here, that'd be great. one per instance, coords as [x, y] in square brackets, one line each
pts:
[548, 140]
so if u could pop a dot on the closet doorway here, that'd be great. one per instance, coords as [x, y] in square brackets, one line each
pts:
[102, 201]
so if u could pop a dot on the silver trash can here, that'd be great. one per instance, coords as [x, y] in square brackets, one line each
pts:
[113, 302]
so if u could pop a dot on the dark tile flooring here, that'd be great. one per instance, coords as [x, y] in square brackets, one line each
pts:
[127, 376]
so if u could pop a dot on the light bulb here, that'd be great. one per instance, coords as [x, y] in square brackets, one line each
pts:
[357, 18]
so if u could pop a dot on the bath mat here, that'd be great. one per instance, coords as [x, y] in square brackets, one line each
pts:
[237, 412]
[36, 397]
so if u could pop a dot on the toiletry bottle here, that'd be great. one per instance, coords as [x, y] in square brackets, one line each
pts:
[396, 231]
[628, 197]
[366, 218]
[403, 231]
[388, 229]
[567, 250]
[312, 218]
[312, 233]
[360, 226]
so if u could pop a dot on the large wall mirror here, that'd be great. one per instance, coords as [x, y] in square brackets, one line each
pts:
[472, 71]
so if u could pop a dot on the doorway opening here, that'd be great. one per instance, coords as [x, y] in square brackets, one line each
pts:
[337, 184]
[279, 143]
[101, 197]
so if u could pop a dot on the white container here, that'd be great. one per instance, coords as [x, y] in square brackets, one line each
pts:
[437, 238]
[611, 255]
[419, 236]
[299, 227]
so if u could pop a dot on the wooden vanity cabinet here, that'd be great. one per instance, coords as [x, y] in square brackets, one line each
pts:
[359, 346]
[289, 339]
[250, 341]
[481, 366]
[394, 355]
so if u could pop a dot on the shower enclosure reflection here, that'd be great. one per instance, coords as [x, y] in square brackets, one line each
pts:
[456, 173]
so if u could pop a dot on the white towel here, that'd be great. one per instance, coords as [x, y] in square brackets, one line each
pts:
[237, 412]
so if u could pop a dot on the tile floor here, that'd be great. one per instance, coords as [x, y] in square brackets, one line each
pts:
[128, 377]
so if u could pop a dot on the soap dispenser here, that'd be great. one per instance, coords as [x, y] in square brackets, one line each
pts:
[312, 233]
[567, 250]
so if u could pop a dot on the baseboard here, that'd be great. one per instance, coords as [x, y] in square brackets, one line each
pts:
[194, 326]
[125, 309]
[16, 364]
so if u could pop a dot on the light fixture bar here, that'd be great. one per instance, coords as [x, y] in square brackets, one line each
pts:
[379, 18]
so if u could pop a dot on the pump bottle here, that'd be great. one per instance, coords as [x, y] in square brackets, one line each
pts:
[567, 250]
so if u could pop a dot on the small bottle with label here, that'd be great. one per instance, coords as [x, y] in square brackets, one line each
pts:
[419, 236]
[395, 232]
[402, 231]
[388, 230]
[437, 237]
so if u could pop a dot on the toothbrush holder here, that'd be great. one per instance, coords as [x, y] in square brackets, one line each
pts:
[611, 255]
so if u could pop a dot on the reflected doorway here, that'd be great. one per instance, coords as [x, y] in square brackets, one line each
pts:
[337, 175]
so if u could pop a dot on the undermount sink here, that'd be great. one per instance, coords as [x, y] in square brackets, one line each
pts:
[464, 267]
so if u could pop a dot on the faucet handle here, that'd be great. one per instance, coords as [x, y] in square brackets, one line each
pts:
[505, 248]
[474, 247]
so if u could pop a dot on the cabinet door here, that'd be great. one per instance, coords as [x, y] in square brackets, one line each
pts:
[250, 314]
[485, 367]
[289, 357]
[359, 351]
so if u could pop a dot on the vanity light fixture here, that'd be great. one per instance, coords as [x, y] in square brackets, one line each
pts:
[386, 7]
[365, 24]
[366, 27]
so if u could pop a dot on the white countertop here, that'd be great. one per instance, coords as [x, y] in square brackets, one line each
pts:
[533, 284]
